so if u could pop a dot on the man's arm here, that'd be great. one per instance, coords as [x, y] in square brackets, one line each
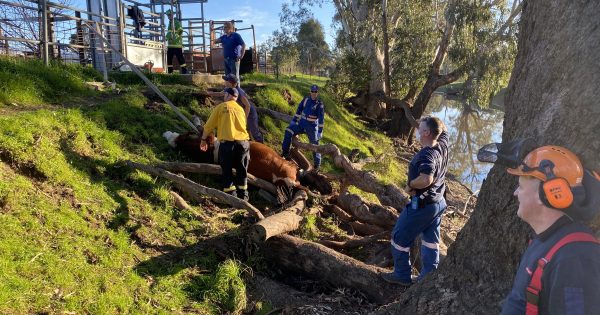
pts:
[298, 111]
[243, 44]
[422, 181]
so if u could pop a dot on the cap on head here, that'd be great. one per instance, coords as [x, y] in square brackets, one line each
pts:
[230, 78]
[565, 165]
[314, 88]
[231, 91]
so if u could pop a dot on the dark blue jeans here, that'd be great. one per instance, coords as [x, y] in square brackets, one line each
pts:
[232, 66]
[410, 224]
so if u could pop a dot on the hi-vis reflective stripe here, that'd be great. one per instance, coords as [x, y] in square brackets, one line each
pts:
[298, 115]
[311, 119]
[321, 125]
[400, 248]
[430, 245]
[289, 130]
[229, 189]
[242, 187]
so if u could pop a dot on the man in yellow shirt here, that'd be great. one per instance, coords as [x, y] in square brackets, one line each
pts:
[229, 120]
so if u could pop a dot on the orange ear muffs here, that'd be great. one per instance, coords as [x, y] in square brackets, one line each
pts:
[556, 193]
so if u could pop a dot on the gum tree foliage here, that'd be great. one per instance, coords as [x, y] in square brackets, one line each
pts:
[476, 35]
[314, 51]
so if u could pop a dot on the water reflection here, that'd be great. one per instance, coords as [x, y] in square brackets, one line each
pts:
[469, 129]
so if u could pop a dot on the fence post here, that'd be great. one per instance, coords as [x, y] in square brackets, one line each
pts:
[100, 44]
[79, 40]
[44, 29]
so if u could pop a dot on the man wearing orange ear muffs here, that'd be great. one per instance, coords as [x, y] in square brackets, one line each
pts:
[559, 272]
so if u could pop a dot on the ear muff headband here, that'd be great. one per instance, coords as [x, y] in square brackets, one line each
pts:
[555, 192]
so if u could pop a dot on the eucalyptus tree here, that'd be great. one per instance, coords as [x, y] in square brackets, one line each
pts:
[552, 97]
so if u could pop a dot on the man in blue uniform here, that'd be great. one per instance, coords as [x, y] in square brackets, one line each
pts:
[423, 215]
[309, 119]
[251, 114]
[234, 49]
[559, 273]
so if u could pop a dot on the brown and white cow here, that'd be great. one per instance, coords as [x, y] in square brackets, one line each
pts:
[265, 163]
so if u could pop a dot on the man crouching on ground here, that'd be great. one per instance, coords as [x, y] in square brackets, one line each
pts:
[229, 120]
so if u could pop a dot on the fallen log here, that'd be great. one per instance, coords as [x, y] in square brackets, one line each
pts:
[285, 221]
[196, 190]
[367, 212]
[324, 264]
[356, 242]
[389, 195]
[365, 229]
[213, 169]
[339, 212]
[274, 114]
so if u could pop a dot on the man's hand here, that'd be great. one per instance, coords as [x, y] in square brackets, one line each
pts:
[319, 136]
[409, 190]
[203, 145]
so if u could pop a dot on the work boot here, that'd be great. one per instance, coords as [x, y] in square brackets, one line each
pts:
[391, 278]
[243, 194]
[184, 70]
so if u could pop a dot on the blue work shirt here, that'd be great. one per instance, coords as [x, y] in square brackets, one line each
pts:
[431, 161]
[312, 111]
[571, 280]
[232, 45]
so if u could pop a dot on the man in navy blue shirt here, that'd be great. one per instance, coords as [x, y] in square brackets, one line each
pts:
[309, 119]
[569, 281]
[234, 49]
[251, 114]
[423, 215]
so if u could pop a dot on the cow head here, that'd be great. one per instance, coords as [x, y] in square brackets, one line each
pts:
[314, 180]
[189, 144]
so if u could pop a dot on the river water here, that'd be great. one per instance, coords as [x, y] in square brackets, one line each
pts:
[468, 130]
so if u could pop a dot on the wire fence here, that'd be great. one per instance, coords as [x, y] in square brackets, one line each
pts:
[55, 31]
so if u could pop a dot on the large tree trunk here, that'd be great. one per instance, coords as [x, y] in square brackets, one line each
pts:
[552, 97]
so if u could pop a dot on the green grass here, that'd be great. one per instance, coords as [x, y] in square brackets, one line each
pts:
[83, 233]
[29, 82]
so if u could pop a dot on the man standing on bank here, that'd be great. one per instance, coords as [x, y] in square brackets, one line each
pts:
[423, 215]
[175, 43]
[251, 114]
[229, 120]
[234, 49]
[309, 119]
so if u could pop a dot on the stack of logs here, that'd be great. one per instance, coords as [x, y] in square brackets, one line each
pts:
[320, 261]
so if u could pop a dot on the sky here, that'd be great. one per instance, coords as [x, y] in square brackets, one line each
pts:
[263, 14]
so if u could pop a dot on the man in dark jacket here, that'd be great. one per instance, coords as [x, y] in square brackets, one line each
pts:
[426, 176]
[551, 179]
[309, 119]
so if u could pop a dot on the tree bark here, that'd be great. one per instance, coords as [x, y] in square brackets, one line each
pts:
[324, 264]
[213, 169]
[367, 212]
[388, 195]
[356, 242]
[556, 107]
[285, 221]
[196, 190]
